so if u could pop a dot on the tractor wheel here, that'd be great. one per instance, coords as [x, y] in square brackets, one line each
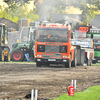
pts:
[68, 64]
[17, 55]
[38, 64]
[1, 55]
[7, 58]
[74, 62]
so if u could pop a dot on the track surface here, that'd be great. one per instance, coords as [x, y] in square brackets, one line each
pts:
[17, 80]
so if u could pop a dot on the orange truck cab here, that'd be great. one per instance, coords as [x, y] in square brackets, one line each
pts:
[53, 45]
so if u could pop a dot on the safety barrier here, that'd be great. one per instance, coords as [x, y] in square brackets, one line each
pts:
[73, 83]
[32, 94]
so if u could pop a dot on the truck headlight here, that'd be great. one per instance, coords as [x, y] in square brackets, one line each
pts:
[64, 56]
[40, 48]
[38, 55]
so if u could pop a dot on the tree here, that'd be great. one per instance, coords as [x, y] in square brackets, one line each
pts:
[15, 13]
[47, 7]
[88, 8]
[18, 2]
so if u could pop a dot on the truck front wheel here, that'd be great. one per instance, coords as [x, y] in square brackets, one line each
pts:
[68, 64]
[38, 64]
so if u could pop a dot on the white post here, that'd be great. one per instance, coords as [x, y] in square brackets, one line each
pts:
[32, 94]
[36, 93]
[74, 84]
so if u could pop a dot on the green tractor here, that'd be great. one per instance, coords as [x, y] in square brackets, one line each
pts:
[4, 49]
[27, 38]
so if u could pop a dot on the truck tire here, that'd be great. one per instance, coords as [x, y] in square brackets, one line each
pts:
[74, 62]
[17, 55]
[38, 64]
[1, 55]
[68, 64]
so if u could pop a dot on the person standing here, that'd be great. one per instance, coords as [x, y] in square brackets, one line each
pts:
[25, 51]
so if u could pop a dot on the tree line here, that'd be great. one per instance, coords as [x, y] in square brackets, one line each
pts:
[18, 9]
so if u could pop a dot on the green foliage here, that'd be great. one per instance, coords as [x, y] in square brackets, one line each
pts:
[88, 8]
[91, 93]
[88, 14]
[47, 7]
[55, 6]
[14, 13]
[18, 2]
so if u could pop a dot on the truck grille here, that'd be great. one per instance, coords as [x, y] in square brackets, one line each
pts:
[51, 48]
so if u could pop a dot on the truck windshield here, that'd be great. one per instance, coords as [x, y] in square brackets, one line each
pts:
[52, 35]
[80, 34]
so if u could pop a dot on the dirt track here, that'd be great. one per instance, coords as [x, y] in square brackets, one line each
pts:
[17, 80]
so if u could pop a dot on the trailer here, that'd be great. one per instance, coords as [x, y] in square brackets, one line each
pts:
[86, 43]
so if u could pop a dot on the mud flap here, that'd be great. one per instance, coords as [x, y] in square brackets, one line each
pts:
[80, 56]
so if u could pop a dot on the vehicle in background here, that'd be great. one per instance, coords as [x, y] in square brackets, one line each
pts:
[27, 37]
[96, 39]
[80, 39]
[4, 49]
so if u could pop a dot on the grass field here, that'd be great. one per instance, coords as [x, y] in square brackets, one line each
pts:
[92, 93]
[23, 62]
[97, 64]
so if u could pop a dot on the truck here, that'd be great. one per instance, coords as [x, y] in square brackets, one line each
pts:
[53, 45]
[96, 39]
[86, 43]
[4, 49]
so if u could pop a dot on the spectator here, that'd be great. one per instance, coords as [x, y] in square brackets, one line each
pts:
[25, 51]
